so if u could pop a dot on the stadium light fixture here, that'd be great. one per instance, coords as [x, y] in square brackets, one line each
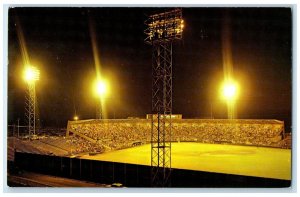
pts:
[230, 90]
[164, 27]
[31, 74]
[101, 92]
[101, 88]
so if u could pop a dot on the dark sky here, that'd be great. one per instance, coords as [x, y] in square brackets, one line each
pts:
[59, 43]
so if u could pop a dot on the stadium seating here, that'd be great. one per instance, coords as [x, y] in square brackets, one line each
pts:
[97, 136]
[118, 134]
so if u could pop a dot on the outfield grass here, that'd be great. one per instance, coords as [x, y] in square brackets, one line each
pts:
[229, 159]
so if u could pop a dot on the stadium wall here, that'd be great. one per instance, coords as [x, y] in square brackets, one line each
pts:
[132, 175]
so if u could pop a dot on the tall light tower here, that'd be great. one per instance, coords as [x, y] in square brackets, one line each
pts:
[230, 93]
[31, 75]
[162, 29]
[101, 90]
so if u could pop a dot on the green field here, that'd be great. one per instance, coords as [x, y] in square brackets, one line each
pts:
[229, 159]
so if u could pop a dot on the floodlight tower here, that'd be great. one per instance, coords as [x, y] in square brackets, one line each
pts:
[100, 89]
[162, 30]
[31, 75]
[230, 94]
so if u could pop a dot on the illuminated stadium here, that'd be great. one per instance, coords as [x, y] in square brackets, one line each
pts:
[254, 152]
[149, 97]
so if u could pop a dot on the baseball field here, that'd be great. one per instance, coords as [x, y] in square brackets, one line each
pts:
[229, 159]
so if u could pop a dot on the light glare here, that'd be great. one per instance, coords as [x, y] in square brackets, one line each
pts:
[230, 91]
[31, 74]
[100, 88]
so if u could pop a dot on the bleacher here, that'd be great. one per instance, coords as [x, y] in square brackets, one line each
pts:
[23, 146]
[113, 134]
[118, 134]
[97, 136]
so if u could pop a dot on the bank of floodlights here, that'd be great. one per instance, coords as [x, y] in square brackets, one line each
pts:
[166, 26]
[31, 74]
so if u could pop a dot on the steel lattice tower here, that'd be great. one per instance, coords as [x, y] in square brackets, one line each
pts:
[99, 114]
[32, 74]
[30, 108]
[162, 30]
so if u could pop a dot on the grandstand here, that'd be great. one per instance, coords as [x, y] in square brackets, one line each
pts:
[98, 136]
[59, 146]
[123, 133]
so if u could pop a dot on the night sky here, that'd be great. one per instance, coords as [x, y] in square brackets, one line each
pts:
[58, 42]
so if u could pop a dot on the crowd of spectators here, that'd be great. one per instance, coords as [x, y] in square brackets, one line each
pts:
[119, 134]
[79, 145]
[230, 133]
[116, 134]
